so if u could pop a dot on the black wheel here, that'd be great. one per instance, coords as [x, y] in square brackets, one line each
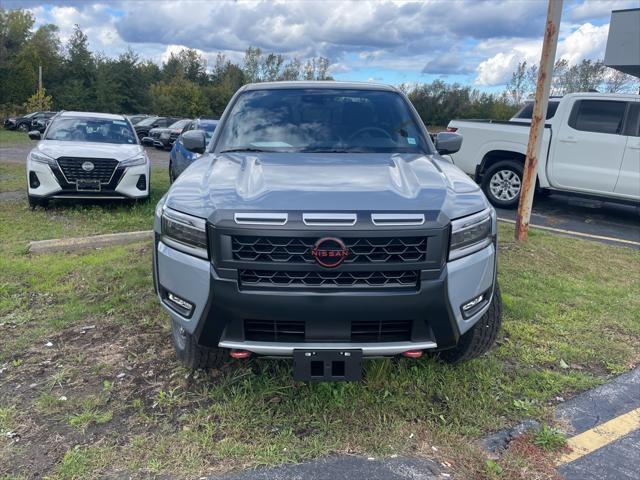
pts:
[37, 202]
[480, 337]
[23, 127]
[502, 183]
[193, 355]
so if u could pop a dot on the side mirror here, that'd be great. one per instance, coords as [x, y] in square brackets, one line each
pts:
[35, 135]
[448, 143]
[195, 141]
[147, 141]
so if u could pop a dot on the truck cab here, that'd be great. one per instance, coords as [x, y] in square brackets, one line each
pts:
[591, 147]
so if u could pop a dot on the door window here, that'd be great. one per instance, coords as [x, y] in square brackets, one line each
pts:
[599, 116]
[632, 124]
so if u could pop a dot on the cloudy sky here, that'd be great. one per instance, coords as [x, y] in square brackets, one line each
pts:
[469, 41]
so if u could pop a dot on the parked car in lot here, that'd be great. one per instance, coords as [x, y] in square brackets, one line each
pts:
[163, 138]
[591, 147]
[321, 224]
[41, 120]
[180, 158]
[87, 155]
[135, 119]
[142, 127]
[24, 123]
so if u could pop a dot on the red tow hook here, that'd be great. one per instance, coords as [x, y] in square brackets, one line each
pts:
[412, 353]
[240, 354]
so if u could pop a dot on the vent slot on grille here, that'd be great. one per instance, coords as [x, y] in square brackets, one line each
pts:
[298, 249]
[381, 331]
[274, 330]
[103, 168]
[407, 279]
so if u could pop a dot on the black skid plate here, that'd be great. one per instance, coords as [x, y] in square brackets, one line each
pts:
[327, 365]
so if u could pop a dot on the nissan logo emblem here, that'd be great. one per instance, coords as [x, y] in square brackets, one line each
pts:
[88, 166]
[329, 252]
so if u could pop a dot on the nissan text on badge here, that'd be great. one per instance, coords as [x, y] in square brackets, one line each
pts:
[87, 155]
[322, 224]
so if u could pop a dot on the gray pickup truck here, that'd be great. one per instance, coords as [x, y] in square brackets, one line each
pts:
[321, 224]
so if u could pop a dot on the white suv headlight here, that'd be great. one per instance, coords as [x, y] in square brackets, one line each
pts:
[184, 232]
[139, 159]
[42, 158]
[470, 234]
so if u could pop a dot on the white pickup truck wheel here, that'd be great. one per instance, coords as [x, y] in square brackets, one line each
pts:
[502, 183]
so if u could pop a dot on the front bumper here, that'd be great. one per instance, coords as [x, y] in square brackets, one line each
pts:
[124, 183]
[221, 307]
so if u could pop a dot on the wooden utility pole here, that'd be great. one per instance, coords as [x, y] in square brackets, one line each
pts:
[543, 87]
[40, 95]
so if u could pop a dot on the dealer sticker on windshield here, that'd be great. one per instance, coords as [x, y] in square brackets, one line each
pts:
[411, 140]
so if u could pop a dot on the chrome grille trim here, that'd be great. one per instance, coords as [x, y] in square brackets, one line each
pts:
[329, 219]
[397, 219]
[261, 218]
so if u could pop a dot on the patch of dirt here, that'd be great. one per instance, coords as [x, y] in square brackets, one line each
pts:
[108, 364]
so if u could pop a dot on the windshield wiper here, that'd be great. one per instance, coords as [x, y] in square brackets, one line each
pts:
[243, 149]
[335, 150]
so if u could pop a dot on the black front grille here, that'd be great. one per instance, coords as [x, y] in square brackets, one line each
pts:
[407, 279]
[274, 330]
[381, 331]
[362, 250]
[103, 168]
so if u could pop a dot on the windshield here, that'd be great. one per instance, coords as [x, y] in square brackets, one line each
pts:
[209, 128]
[527, 110]
[180, 123]
[321, 120]
[147, 122]
[91, 130]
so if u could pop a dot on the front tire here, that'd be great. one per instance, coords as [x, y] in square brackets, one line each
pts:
[37, 202]
[502, 183]
[192, 354]
[480, 338]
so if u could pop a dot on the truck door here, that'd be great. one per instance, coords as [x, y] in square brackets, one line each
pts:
[629, 178]
[589, 146]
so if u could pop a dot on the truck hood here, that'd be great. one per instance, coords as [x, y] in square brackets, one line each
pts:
[324, 182]
[56, 148]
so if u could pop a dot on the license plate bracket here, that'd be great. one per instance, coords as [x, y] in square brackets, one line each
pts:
[86, 185]
[327, 365]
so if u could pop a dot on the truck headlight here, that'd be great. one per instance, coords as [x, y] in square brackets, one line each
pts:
[139, 159]
[470, 234]
[185, 233]
[42, 158]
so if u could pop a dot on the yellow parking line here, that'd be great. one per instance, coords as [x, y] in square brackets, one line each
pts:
[601, 435]
[577, 234]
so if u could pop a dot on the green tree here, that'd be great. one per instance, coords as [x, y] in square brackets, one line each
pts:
[251, 65]
[39, 101]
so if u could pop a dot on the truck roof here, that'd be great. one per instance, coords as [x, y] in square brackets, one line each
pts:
[625, 96]
[320, 85]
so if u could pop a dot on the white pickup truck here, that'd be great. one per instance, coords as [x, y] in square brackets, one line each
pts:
[591, 147]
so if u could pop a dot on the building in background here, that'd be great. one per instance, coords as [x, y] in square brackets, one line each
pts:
[623, 44]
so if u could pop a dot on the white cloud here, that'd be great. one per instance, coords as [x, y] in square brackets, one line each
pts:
[587, 41]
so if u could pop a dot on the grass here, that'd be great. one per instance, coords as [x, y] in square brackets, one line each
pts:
[110, 381]
[549, 438]
[13, 137]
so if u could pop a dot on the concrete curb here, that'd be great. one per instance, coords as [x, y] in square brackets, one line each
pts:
[83, 243]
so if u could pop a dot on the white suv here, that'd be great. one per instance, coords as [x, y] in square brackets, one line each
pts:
[87, 155]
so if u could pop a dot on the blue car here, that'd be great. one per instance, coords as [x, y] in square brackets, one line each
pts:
[180, 158]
